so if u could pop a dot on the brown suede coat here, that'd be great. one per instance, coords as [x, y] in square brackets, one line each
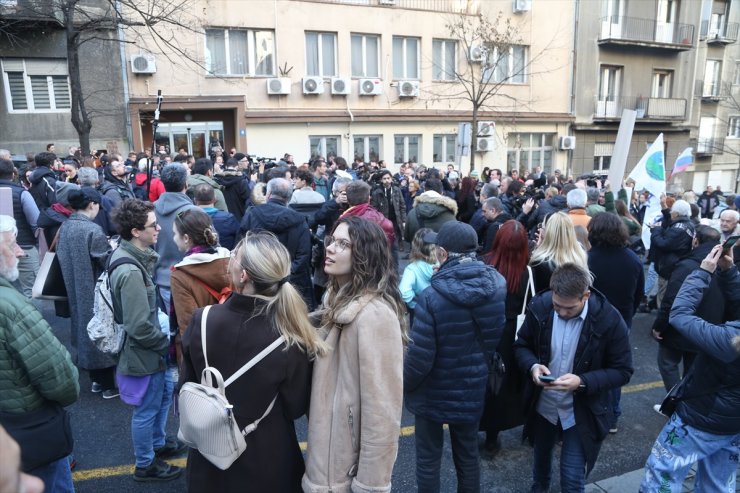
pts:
[356, 402]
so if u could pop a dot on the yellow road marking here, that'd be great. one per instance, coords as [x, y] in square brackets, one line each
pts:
[406, 431]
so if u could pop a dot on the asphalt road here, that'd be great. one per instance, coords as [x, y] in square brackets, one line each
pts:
[104, 452]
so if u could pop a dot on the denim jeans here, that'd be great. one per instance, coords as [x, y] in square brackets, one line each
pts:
[57, 476]
[678, 447]
[669, 362]
[650, 279]
[572, 457]
[429, 441]
[150, 418]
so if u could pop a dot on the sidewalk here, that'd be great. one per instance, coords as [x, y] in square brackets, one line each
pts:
[631, 482]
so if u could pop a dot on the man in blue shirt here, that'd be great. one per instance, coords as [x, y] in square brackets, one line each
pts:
[575, 348]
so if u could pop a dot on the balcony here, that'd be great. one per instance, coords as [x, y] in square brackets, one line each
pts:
[632, 31]
[708, 146]
[710, 92]
[445, 6]
[648, 109]
[16, 13]
[720, 35]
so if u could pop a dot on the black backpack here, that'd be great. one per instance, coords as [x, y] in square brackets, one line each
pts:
[140, 190]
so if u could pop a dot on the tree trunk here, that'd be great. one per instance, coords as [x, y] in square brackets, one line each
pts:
[473, 137]
[80, 119]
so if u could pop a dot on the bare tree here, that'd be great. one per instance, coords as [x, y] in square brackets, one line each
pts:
[105, 21]
[490, 64]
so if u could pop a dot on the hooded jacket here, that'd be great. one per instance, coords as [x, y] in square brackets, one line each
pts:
[166, 209]
[291, 229]
[670, 241]
[715, 375]
[235, 191]
[445, 372]
[195, 180]
[366, 211]
[603, 361]
[43, 187]
[115, 189]
[155, 190]
[431, 210]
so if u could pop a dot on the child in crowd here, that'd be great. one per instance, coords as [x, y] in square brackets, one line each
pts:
[417, 276]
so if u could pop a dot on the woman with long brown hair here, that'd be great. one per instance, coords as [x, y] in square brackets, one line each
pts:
[509, 255]
[357, 389]
[466, 200]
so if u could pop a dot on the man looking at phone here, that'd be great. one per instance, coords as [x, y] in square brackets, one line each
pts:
[574, 346]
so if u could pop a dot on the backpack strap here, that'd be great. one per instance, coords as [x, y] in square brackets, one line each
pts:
[208, 288]
[530, 289]
[203, 318]
[275, 344]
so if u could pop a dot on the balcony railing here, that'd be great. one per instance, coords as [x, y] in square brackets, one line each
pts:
[709, 91]
[648, 109]
[646, 32]
[445, 6]
[707, 146]
[724, 34]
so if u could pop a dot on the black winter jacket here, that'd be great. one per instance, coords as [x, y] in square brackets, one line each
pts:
[236, 192]
[669, 242]
[714, 378]
[445, 373]
[291, 229]
[43, 187]
[603, 361]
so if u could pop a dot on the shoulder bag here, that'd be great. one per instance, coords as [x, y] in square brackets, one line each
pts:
[496, 366]
[207, 420]
[530, 291]
[674, 396]
[44, 435]
[49, 283]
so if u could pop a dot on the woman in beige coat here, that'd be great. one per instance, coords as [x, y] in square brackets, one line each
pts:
[357, 391]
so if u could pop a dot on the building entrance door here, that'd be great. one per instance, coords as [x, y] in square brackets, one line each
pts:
[193, 137]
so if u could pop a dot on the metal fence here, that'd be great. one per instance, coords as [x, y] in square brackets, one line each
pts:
[646, 30]
[444, 6]
[646, 108]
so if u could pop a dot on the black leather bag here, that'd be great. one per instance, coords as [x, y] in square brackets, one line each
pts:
[44, 435]
[496, 366]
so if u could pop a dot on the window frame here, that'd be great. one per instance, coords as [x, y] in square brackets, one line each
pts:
[717, 83]
[733, 122]
[491, 73]
[405, 40]
[364, 37]
[366, 146]
[319, 43]
[406, 145]
[251, 54]
[441, 66]
[28, 91]
[322, 145]
[446, 141]
[668, 76]
[523, 153]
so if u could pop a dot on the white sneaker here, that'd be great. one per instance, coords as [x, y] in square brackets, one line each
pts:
[656, 408]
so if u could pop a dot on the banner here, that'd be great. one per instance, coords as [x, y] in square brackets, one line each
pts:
[683, 161]
[653, 213]
[649, 174]
[621, 148]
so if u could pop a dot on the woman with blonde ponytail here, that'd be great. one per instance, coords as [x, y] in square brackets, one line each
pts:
[263, 306]
[357, 389]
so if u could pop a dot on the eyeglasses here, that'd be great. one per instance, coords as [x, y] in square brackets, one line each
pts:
[153, 225]
[340, 245]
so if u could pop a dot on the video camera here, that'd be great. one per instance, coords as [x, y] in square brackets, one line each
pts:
[591, 179]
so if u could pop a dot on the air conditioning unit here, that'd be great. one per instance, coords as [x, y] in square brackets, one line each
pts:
[408, 88]
[386, 2]
[485, 144]
[486, 129]
[522, 6]
[567, 143]
[341, 86]
[278, 85]
[313, 85]
[477, 54]
[371, 87]
[143, 63]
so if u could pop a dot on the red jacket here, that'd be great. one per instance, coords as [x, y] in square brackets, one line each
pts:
[155, 190]
[366, 211]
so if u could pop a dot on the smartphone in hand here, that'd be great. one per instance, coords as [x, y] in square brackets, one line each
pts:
[547, 378]
[730, 242]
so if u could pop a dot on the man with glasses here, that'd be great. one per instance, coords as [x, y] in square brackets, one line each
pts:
[116, 186]
[575, 348]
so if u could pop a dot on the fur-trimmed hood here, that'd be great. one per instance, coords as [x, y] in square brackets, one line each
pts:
[430, 204]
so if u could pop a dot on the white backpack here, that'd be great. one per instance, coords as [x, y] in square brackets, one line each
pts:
[204, 406]
[102, 329]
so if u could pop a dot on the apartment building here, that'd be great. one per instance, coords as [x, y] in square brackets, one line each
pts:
[356, 78]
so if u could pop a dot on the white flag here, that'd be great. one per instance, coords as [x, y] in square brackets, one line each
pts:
[649, 174]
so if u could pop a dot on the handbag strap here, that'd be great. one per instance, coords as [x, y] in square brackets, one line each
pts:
[53, 246]
[212, 291]
[530, 289]
[479, 338]
[241, 371]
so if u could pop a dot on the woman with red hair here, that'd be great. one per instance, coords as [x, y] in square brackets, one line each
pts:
[509, 255]
[466, 201]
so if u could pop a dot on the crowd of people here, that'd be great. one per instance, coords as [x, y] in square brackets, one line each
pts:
[515, 309]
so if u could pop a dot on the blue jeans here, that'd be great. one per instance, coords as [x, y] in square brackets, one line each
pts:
[57, 476]
[429, 441]
[572, 457]
[650, 279]
[150, 418]
[678, 447]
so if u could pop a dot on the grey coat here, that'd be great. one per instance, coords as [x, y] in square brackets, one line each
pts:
[83, 250]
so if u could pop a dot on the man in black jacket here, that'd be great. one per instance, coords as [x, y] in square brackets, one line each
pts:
[573, 336]
[291, 229]
[44, 180]
[670, 240]
[673, 346]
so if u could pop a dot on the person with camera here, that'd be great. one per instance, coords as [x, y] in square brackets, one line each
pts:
[116, 186]
[705, 426]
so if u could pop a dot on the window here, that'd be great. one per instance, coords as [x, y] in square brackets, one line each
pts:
[508, 66]
[733, 127]
[736, 79]
[603, 156]
[406, 148]
[444, 148]
[365, 55]
[240, 52]
[321, 54]
[367, 147]
[444, 55]
[36, 85]
[325, 146]
[405, 58]
[712, 78]
[662, 81]
[525, 151]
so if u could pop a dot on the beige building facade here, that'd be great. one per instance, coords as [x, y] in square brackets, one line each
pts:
[355, 78]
